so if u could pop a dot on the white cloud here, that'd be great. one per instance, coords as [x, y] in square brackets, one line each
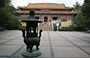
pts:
[70, 3]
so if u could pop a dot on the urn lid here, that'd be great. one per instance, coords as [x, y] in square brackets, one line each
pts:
[32, 17]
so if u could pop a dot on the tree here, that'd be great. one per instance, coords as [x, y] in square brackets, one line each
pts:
[77, 6]
[78, 21]
[86, 13]
[4, 2]
[82, 20]
[7, 16]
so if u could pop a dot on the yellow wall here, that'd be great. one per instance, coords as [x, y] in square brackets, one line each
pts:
[65, 24]
[23, 23]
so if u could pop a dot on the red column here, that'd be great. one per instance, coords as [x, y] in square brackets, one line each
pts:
[62, 17]
[42, 18]
[48, 18]
[69, 18]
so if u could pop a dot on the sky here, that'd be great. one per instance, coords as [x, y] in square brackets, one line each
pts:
[68, 3]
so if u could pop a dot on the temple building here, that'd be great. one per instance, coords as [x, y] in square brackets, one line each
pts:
[49, 13]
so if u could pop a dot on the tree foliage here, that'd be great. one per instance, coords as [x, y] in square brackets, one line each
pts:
[86, 13]
[77, 6]
[4, 3]
[7, 17]
[82, 19]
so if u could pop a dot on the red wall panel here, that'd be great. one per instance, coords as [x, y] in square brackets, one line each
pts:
[69, 18]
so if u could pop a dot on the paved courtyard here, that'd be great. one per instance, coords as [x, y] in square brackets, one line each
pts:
[53, 44]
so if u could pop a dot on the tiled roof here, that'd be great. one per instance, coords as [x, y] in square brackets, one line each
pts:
[48, 12]
[45, 6]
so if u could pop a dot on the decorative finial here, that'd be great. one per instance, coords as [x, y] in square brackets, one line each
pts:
[32, 12]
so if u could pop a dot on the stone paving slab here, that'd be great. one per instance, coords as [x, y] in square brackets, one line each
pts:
[68, 52]
[7, 50]
[42, 43]
[44, 52]
[86, 49]
[53, 44]
[61, 43]
[82, 43]
[15, 42]
[1, 41]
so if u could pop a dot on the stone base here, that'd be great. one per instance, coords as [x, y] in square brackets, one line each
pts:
[34, 54]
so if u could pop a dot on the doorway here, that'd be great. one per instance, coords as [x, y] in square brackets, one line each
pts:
[54, 18]
[45, 19]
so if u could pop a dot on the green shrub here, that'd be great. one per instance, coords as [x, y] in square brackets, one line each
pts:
[22, 28]
[55, 27]
[64, 20]
[66, 29]
[79, 29]
[63, 28]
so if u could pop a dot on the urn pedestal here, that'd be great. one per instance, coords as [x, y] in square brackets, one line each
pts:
[35, 53]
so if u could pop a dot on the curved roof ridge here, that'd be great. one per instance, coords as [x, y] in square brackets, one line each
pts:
[45, 5]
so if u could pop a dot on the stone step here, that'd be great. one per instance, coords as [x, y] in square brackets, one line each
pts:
[45, 27]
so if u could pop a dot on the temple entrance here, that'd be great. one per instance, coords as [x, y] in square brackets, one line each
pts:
[54, 18]
[45, 19]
